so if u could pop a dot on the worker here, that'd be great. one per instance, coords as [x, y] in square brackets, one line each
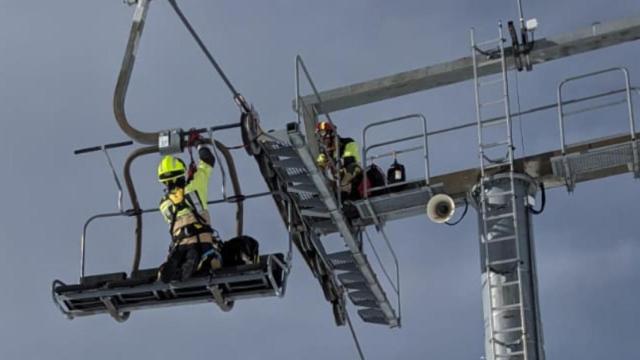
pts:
[340, 153]
[194, 248]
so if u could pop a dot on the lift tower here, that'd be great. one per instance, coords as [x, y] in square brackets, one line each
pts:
[499, 189]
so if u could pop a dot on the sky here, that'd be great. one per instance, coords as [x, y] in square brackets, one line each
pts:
[59, 62]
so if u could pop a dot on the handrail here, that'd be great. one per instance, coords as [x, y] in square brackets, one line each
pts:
[122, 85]
[424, 146]
[83, 239]
[396, 286]
[627, 90]
[300, 65]
[524, 112]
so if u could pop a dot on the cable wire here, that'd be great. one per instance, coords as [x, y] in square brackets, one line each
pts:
[543, 201]
[464, 213]
[354, 335]
[236, 95]
[519, 114]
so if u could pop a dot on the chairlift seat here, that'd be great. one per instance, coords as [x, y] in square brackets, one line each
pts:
[107, 293]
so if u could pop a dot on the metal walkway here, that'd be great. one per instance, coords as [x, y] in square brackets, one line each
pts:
[317, 206]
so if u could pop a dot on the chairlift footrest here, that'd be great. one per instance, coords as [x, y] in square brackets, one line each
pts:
[264, 279]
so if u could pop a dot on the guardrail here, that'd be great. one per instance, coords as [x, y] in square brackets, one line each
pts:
[629, 101]
[424, 146]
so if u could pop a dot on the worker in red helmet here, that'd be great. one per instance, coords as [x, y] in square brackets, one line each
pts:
[194, 247]
[340, 153]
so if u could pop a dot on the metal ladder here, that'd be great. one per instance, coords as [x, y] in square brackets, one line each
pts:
[496, 262]
[317, 205]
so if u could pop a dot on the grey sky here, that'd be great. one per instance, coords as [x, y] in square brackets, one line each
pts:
[58, 65]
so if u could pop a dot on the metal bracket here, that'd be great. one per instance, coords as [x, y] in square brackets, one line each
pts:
[250, 129]
[170, 141]
[224, 304]
[113, 310]
[569, 177]
[636, 158]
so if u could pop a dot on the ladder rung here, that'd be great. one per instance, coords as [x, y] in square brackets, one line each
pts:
[511, 354]
[490, 82]
[497, 165]
[501, 238]
[314, 212]
[498, 217]
[300, 178]
[509, 330]
[312, 203]
[494, 102]
[505, 261]
[283, 151]
[486, 123]
[500, 193]
[495, 144]
[288, 163]
[302, 187]
[506, 284]
[488, 42]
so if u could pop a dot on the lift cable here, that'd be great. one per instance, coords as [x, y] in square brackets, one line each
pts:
[240, 101]
[354, 336]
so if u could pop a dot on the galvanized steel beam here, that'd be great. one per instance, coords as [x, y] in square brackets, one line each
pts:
[548, 49]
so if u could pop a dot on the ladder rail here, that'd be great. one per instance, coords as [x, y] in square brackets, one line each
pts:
[511, 214]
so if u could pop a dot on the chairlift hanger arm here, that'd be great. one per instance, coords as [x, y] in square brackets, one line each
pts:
[549, 49]
[128, 62]
[135, 205]
[120, 94]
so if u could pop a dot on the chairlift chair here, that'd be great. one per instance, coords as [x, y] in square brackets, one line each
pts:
[118, 294]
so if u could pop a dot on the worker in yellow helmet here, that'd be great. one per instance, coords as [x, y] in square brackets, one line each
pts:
[194, 248]
[333, 149]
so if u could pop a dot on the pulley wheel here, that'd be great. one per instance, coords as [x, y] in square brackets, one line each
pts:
[250, 127]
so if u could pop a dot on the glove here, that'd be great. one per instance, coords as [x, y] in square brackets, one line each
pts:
[195, 139]
[322, 161]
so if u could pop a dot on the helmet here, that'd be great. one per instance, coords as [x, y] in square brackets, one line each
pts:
[325, 129]
[170, 168]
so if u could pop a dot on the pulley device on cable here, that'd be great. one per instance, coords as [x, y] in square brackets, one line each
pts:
[249, 120]
[244, 274]
[522, 45]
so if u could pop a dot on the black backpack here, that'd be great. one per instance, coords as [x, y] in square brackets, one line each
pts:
[240, 250]
[375, 178]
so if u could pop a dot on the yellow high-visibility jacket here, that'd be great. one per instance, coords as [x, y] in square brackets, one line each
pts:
[194, 201]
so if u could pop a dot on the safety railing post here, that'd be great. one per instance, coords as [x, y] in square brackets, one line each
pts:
[425, 145]
[561, 102]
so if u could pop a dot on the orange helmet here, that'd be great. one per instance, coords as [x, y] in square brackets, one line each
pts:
[325, 129]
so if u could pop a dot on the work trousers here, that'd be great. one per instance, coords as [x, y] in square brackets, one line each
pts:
[186, 261]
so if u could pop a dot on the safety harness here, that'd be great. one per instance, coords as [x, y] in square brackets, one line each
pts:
[194, 229]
